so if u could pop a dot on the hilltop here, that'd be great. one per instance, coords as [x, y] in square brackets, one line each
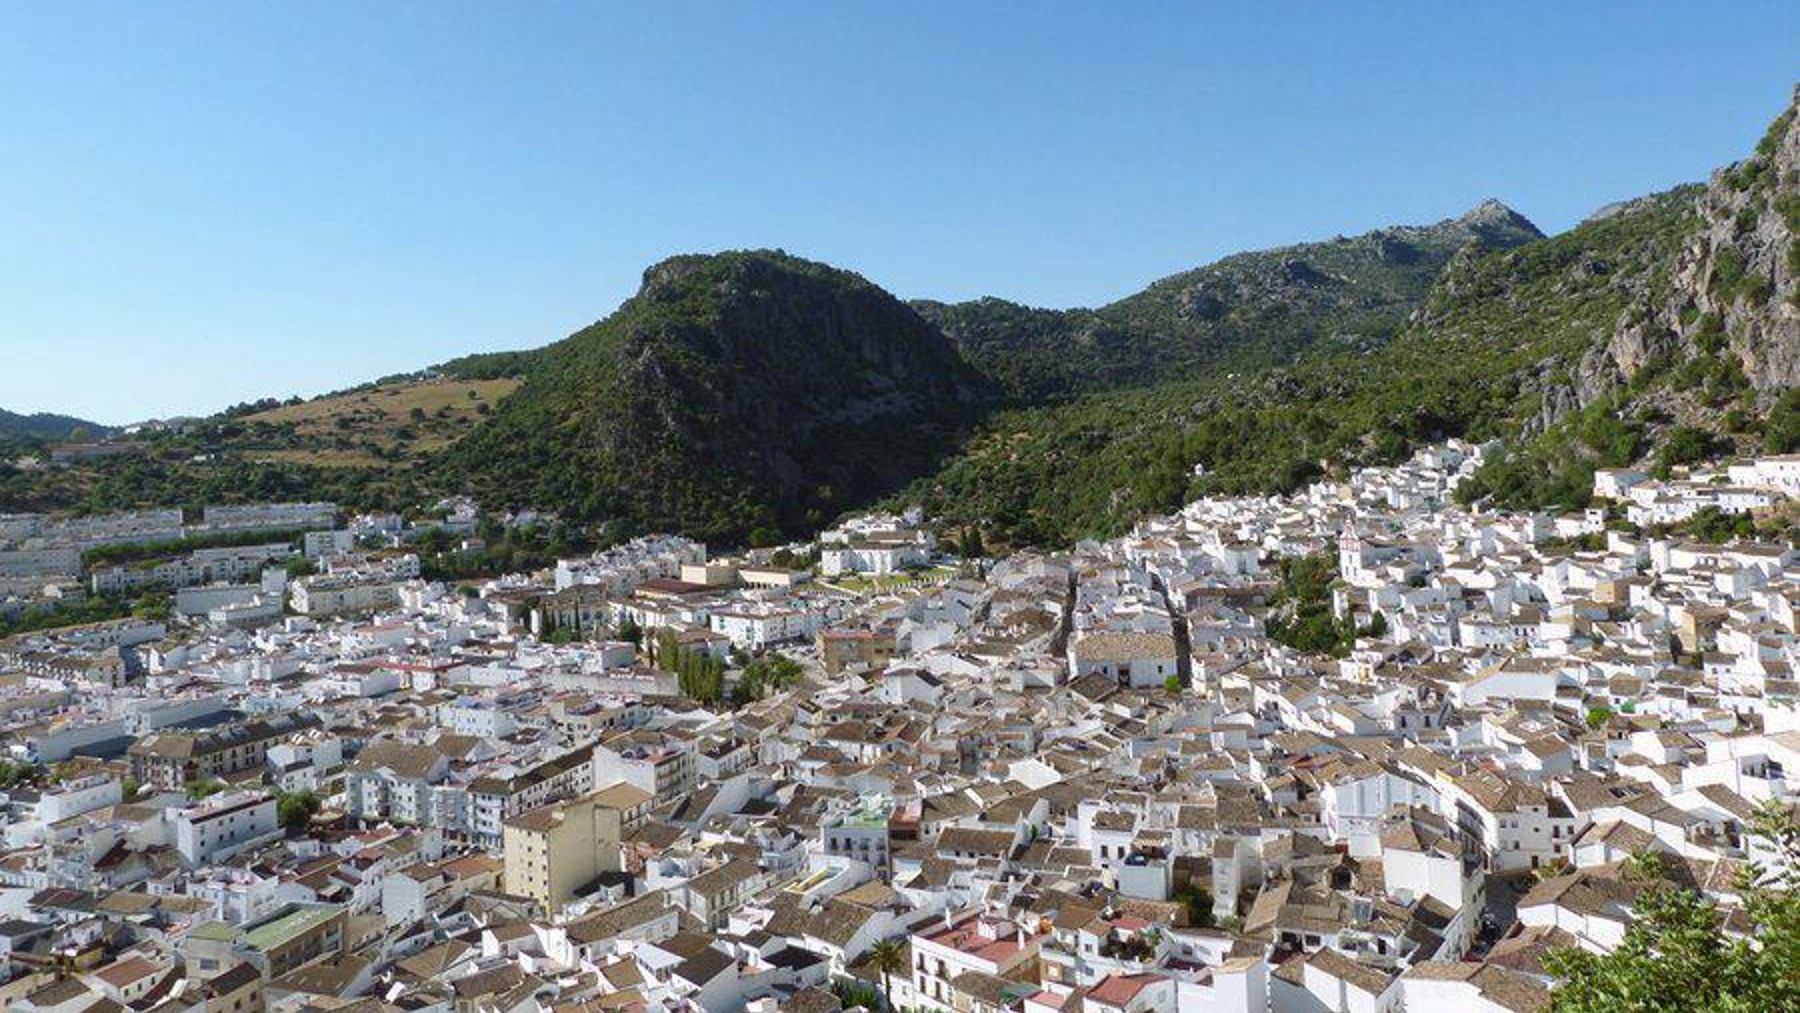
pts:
[49, 426]
[734, 393]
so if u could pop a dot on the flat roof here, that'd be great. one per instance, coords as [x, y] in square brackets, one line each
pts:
[280, 931]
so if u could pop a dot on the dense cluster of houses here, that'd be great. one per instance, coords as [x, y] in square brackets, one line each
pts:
[1093, 781]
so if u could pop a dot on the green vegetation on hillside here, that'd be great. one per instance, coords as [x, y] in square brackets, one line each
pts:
[384, 422]
[187, 470]
[131, 552]
[37, 618]
[1246, 312]
[1300, 615]
[750, 396]
[499, 550]
[491, 365]
[735, 392]
[1473, 364]
[46, 426]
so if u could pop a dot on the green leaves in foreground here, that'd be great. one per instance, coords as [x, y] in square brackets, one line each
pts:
[1677, 958]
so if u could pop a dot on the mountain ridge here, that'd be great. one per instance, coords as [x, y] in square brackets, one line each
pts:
[699, 328]
[48, 426]
[1244, 311]
[750, 394]
[1658, 335]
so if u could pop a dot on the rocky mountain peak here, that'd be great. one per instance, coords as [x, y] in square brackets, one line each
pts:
[1492, 219]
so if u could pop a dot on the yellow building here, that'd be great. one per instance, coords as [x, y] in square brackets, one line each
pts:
[553, 851]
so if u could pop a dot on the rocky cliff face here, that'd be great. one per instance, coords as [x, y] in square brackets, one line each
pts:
[1743, 266]
[1660, 305]
[1732, 287]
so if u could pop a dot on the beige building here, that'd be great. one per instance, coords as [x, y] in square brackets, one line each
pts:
[554, 851]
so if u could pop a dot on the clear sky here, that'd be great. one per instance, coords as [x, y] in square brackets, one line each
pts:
[207, 203]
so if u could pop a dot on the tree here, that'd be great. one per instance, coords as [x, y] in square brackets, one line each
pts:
[294, 810]
[773, 671]
[152, 607]
[1173, 684]
[630, 631]
[667, 648]
[1781, 435]
[1676, 957]
[972, 546]
[1199, 903]
[702, 676]
[886, 957]
[1716, 526]
[1685, 445]
[14, 773]
[698, 673]
[204, 787]
[1302, 617]
[854, 994]
[1646, 867]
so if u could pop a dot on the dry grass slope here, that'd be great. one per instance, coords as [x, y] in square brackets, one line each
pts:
[416, 418]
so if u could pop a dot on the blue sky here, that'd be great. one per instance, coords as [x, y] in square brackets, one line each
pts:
[208, 203]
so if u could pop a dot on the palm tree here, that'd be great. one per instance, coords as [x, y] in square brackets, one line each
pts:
[886, 957]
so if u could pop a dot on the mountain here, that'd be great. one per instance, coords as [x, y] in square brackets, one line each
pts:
[754, 390]
[740, 393]
[751, 394]
[1244, 312]
[1693, 349]
[1659, 333]
[45, 426]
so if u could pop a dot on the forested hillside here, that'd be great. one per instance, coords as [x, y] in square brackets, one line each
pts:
[735, 395]
[47, 426]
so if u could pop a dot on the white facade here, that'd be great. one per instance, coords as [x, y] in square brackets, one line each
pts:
[223, 825]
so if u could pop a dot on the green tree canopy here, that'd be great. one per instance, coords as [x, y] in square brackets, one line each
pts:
[1676, 956]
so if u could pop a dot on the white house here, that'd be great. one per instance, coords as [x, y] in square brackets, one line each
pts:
[218, 827]
[1456, 987]
[1140, 660]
